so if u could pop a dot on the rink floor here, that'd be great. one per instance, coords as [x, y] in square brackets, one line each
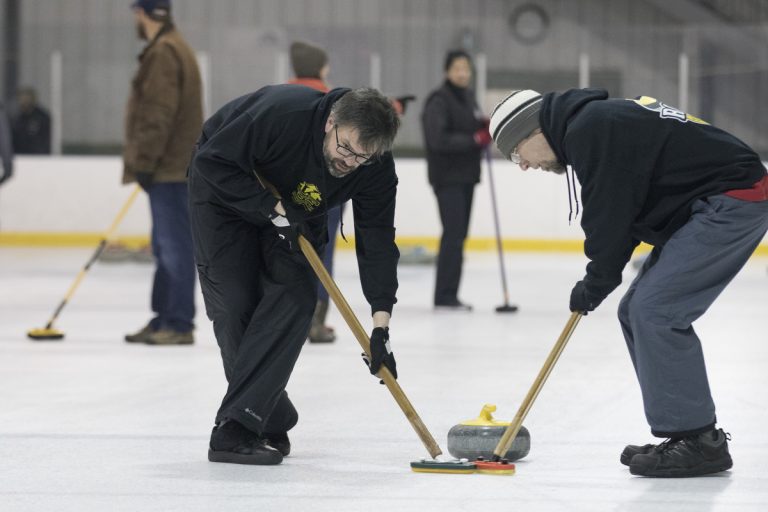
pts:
[95, 424]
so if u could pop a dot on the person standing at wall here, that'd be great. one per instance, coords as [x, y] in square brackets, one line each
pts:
[311, 68]
[6, 148]
[31, 125]
[164, 117]
[455, 133]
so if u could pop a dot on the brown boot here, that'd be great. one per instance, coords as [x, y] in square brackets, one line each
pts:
[319, 332]
[141, 336]
[168, 337]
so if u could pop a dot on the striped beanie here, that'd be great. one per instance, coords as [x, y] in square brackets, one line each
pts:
[514, 118]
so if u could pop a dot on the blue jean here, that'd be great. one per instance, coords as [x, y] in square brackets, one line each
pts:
[173, 288]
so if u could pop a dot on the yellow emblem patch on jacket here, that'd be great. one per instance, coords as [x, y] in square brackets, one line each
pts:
[665, 111]
[307, 195]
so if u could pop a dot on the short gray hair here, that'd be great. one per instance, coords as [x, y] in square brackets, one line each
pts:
[371, 114]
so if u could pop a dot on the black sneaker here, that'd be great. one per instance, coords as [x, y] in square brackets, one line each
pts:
[279, 441]
[232, 442]
[456, 305]
[632, 449]
[697, 455]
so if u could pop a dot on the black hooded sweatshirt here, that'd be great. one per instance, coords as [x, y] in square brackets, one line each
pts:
[641, 165]
[278, 132]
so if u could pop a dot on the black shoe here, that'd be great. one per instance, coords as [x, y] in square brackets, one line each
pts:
[456, 305]
[697, 455]
[232, 442]
[279, 441]
[631, 450]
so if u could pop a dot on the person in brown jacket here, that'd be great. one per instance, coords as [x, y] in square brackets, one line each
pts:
[164, 117]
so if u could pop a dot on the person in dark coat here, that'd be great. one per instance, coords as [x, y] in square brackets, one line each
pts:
[6, 147]
[31, 125]
[455, 133]
[314, 150]
[651, 173]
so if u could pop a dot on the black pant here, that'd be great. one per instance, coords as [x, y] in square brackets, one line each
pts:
[261, 298]
[455, 204]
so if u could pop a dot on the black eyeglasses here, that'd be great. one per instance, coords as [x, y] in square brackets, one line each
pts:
[347, 152]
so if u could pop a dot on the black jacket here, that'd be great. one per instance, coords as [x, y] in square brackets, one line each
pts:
[278, 131]
[450, 120]
[641, 165]
[32, 132]
[6, 148]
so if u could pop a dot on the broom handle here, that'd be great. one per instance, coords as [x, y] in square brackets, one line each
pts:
[99, 249]
[497, 227]
[509, 434]
[362, 337]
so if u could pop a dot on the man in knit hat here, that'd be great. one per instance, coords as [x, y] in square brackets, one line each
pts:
[651, 173]
[163, 120]
[311, 68]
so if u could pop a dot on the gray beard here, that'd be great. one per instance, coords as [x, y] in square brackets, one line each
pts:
[554, 167]
[332, 170]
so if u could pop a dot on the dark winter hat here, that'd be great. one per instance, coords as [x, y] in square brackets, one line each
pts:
[452, 55]
[307, 60]
[514, 119]
[154, 8]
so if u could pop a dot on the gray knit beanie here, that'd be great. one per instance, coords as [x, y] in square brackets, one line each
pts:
[514, 118]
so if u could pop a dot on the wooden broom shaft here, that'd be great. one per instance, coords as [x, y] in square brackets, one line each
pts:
[509, 434]
[362, 337]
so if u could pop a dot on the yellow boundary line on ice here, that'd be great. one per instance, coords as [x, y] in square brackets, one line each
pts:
[473, 244]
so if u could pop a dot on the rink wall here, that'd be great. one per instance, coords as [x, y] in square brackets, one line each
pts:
[72, 200]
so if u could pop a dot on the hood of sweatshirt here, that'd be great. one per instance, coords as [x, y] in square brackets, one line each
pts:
[557, 110]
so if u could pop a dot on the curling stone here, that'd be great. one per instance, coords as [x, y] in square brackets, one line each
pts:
[478, 438]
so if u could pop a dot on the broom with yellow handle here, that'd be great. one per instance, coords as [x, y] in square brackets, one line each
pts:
[48, 333]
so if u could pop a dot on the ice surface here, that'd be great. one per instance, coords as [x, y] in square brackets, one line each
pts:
[93, 423]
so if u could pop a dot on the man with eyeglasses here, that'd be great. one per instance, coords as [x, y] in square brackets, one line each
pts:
[651, 173]
[316, 151]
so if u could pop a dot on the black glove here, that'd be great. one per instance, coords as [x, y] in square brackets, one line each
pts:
[288, 226]
[404, 101]
[381, 353]
[581, 301]
[287, 232]
[145, 179]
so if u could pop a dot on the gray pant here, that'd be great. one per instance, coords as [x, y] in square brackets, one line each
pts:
[676, 285]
